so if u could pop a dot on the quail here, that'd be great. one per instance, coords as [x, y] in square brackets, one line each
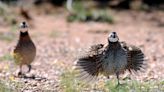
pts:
[25, 50]
[113, 59]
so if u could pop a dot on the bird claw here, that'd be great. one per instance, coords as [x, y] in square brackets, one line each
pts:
[21, 75]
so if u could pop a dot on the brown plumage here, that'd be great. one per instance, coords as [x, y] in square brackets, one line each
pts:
[25, 50]
[115, 58]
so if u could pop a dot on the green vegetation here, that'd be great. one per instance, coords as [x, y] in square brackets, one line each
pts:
[69, 84]
[10, 85]
[135, 86]
[6, 57]
[4, 88]
[7, 15]
[84, 14]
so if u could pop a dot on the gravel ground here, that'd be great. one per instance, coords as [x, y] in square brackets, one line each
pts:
[59, 43]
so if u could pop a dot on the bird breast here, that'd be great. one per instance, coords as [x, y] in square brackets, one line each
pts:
[27, 52]
[114, 61]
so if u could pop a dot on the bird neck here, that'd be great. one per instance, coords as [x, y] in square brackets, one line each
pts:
[24, 36]
[114, 45]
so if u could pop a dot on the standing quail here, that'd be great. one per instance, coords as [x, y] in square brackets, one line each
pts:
[25, 50]
[115, 58]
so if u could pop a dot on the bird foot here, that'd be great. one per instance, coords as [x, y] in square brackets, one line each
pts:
[21, 75]
[119, 85]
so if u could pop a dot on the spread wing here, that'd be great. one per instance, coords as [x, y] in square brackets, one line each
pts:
[89, 66]
[136, 58]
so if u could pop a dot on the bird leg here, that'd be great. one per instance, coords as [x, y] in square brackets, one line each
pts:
[108, 77]
[117, 74]
[29, 68]
[20, 70]
[20, 74]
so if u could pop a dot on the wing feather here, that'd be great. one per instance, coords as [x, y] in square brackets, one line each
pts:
[89, 66]
[136, 58]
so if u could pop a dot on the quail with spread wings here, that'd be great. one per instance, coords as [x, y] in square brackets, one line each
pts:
[113, 59]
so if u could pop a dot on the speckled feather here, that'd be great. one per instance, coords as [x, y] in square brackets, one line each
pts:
[89, 65]
[115, 59]
[136, 58]
[108, 60]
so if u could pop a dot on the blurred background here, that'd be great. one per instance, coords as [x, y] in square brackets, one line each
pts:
[62, 29]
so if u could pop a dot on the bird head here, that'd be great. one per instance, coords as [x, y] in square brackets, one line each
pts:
[23, 27]
[113, 37]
